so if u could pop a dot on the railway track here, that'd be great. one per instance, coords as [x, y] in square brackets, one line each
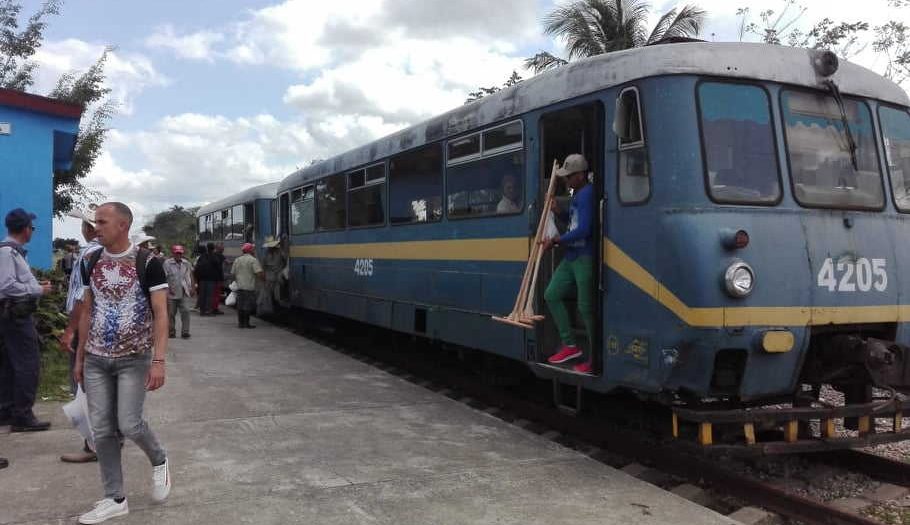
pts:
[603, 439]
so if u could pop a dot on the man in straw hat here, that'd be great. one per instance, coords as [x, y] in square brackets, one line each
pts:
[273, 264]
[74, 309]
[577, 266]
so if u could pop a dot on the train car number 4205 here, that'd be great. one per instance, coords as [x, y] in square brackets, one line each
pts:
[363, 267]
[862, 274]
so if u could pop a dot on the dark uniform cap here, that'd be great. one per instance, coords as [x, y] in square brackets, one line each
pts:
[19, 218]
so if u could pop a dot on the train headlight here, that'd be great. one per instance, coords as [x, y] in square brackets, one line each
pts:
[739, 279]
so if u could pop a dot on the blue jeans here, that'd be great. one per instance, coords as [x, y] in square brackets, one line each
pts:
[19, 367]
[115, 388]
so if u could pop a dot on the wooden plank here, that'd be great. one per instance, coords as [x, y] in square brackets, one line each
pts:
[865, 425]
[749, 431]
[828, 429]
[791, 431]
[675, 425]
[705, 435]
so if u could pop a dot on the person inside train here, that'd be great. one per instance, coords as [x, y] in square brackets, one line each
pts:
[511, 199]
[577, 266]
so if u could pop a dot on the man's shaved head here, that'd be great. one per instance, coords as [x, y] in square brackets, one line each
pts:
[122, 209]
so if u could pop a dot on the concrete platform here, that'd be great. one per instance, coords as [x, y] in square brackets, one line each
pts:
[263, 426]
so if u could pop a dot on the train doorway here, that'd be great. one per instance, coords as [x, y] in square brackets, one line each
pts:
[578, 129]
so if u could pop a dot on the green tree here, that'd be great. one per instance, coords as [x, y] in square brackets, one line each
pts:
[17, 47]
[174, 226]
[594, 27]
[481, 92]
[779, 26]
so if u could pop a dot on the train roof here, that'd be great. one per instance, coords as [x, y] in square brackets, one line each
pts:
[263, 191]
[787, 65]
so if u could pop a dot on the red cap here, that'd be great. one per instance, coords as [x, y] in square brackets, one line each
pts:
[247, 248]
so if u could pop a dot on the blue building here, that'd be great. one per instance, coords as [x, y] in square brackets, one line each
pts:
[37, 136]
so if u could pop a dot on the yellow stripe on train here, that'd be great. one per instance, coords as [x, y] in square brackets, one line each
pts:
[515, 249]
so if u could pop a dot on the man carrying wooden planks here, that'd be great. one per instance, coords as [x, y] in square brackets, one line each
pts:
[577, 266]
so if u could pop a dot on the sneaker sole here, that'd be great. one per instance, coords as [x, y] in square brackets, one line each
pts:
[123, 512]
[563, 360]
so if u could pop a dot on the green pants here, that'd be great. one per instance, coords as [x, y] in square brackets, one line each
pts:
[580, 274]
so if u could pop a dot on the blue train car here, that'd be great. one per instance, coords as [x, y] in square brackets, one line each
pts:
[753, 217]
[247, 216]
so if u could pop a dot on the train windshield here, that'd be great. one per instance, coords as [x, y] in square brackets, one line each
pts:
[821, 164]
[896, 134]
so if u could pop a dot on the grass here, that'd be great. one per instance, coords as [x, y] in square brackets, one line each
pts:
[55, 376]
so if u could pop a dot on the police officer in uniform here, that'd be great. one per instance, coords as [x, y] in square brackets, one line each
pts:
[19, 359]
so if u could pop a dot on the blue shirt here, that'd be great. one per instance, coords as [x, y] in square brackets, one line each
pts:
[16, 278]
[577, 240]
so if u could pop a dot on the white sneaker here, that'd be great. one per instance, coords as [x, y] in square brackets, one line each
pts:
[105, 510]
[161, 482]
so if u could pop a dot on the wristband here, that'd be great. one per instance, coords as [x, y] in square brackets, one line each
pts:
[159, 361]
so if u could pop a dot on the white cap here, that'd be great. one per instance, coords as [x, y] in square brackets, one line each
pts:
[574, 163]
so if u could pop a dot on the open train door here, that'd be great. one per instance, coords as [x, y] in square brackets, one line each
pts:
[577, 129]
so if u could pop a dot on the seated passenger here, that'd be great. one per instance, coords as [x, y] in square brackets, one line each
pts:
[511, 198]
[577, 266]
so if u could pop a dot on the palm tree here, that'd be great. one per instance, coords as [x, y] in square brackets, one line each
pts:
[593, 27]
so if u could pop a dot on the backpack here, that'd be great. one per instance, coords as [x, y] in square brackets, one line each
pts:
[142, 261]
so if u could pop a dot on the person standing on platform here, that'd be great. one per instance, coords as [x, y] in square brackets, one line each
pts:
[19, 358]
[273, 264]
[74, 309]
[204, 272]
[246, 270]
[218, 256]
[122, 355]
[577, 267]
[179, 274]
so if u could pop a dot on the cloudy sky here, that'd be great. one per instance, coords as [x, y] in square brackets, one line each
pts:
[219, 95]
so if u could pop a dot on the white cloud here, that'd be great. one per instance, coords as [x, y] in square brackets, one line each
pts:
[127, 74]
[193, 46]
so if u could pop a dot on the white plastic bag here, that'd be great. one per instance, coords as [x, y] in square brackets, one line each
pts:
[231, 299]
[77, 412]
[233, 286]
[551, 230]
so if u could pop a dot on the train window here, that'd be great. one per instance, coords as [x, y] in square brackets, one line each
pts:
[249, 226]
[200, 228]
[236, 223]
[284, 212]
[896, 134]
[738, 143]
[303, 211]
[217, 234]
[463, 149]
[225, 225]
[330, 202]
[366, 189]
[415, 186]
[491, 186]
[634, 177]
[822, 165]
[502, 138]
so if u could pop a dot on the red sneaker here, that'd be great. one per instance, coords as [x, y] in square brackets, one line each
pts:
[565, 353]
[583, 368]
